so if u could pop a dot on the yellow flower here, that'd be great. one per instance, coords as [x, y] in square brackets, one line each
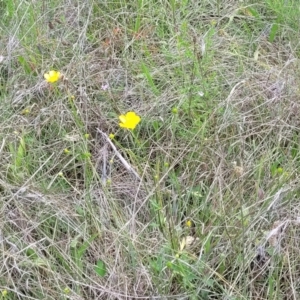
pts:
[4, 293]
[111, 136]
[188, 223]
[130, 120]
[52, 76]
[66, 151]
[25, 111]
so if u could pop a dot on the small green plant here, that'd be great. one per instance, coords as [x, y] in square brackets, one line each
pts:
[78, 251]
[100, 268]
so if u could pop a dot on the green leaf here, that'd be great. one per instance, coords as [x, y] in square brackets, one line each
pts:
[149, 78]
[31, 253]
[273, 32]
[79, 251]
[21, 152]
[253, 12]
[80, 211]
[25, 64]
[100, 268]
[82, 249]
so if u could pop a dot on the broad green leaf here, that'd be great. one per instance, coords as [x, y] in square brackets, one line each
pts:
[31, 253]
[100, 268]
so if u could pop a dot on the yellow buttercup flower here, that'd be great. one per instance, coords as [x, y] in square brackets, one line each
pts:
[188, 223]
[130, 120]
[52, 76]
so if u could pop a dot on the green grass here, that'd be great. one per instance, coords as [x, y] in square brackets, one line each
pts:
[211, 210]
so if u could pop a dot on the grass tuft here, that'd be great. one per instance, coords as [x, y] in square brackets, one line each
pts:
[198, 200]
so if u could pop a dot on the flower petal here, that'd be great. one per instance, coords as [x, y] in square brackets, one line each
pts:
[129, 120]
[122, 118]
[46, 76]
[130, 114]
[52, 76]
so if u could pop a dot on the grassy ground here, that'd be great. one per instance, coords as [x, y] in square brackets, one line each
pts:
[211, 209]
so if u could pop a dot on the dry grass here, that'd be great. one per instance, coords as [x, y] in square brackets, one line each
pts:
[217, 88]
